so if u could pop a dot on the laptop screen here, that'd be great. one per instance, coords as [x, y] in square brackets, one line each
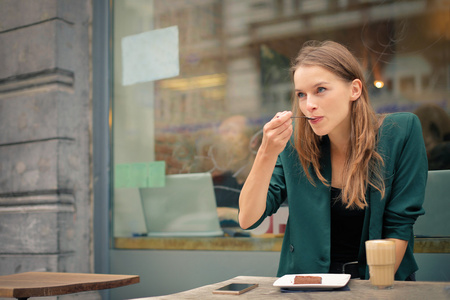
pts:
[185, 206]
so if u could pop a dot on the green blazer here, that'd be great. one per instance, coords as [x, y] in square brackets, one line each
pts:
[306, 244]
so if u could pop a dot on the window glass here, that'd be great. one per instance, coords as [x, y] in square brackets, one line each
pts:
[195, 82]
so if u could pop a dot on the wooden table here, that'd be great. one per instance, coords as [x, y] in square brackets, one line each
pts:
[359, 289]
[40, 284]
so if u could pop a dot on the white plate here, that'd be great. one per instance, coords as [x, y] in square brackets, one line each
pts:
[329, 281]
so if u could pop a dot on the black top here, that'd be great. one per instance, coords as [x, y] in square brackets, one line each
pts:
[346, 229]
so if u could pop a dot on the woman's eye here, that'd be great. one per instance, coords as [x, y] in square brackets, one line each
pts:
[320, 89]
[300, 95]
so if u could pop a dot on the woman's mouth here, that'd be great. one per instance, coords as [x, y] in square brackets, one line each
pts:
[315, 120]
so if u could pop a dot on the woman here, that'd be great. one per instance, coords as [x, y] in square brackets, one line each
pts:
[348, 174]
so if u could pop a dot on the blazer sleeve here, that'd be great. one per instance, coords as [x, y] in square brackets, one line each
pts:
[407, 193]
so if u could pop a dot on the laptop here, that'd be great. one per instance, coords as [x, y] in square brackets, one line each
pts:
[185, 206]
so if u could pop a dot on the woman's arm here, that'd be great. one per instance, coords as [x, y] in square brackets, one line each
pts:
[400, 248]
[252, 200]
[408, 185]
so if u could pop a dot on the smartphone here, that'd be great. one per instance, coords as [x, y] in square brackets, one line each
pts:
[235, 288]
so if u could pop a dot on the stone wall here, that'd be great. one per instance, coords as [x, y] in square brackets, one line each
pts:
[45, 136]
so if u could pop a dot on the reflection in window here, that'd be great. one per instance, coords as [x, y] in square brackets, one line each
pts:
[233, 60]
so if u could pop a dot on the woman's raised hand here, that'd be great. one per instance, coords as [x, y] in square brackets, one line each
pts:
[276, 133]
[252, 199]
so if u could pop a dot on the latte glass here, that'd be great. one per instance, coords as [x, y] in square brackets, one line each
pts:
[381, 261]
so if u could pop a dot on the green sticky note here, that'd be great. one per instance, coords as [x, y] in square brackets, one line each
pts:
[156, 174]
[138, 175]
[121, 176]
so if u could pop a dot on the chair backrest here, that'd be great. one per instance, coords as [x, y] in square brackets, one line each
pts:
[436, 221]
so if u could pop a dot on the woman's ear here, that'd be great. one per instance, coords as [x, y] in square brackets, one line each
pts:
[356, 89]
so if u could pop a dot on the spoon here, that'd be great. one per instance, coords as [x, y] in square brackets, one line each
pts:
[308, 118]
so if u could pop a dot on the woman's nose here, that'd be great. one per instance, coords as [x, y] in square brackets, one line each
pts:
[311, 104]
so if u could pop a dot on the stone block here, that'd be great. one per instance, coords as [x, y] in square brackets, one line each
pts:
[37, 116]
[50, 165]
[31, 11]
[32, 49]
[45, 225]
[30, 167]
[19, 263]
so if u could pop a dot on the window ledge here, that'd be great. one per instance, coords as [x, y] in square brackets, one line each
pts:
[269, 243]
[200, 243]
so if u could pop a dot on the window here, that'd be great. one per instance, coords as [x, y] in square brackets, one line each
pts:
[195, 81]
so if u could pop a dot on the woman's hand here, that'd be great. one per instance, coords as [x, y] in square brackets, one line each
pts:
[276, 133]
[400, 249]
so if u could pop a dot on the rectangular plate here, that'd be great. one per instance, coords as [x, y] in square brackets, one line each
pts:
[329, 281]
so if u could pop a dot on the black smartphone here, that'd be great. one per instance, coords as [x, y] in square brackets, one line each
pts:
[235, 288]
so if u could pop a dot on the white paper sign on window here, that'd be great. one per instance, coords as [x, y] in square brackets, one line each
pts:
[150, 56]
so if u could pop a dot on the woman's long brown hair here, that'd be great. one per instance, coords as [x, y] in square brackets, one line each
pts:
[362, 167]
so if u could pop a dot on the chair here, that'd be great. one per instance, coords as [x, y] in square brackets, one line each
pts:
[436, 221]
[432, 230]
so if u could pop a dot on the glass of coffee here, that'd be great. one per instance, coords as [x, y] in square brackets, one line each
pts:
[381, 261]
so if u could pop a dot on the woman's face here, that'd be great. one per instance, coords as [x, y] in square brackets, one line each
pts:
[327, 98]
